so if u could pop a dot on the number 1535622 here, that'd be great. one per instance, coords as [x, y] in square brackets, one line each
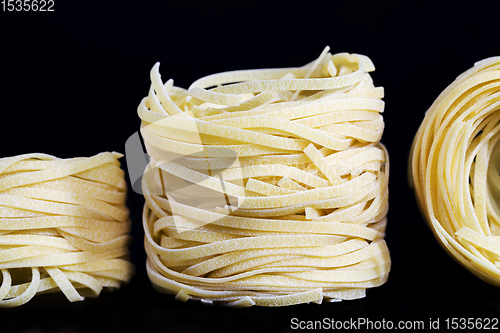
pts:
[27, 5]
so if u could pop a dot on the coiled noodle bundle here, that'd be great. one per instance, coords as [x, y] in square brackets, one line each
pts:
[455, 169]
[63, 226]
[267, 187]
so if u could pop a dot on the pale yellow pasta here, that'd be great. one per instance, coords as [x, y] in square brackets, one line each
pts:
[267, 187]
[455, 169]
[63, 227]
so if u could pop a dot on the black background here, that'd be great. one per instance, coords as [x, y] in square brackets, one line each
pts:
[71, 81]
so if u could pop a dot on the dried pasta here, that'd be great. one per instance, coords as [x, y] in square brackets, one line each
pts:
[63, 227]
[267, 187]
[455, 169]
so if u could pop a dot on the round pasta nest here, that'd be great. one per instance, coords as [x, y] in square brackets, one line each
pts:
[63, 226]
[267, 187]
[455, 169]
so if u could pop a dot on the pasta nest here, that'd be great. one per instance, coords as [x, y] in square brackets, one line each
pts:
[267, 187]
[63, 227]
[455, 169]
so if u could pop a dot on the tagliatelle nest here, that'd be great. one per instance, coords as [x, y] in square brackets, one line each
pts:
[267, 187]
[63, 226]
[456, 169]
